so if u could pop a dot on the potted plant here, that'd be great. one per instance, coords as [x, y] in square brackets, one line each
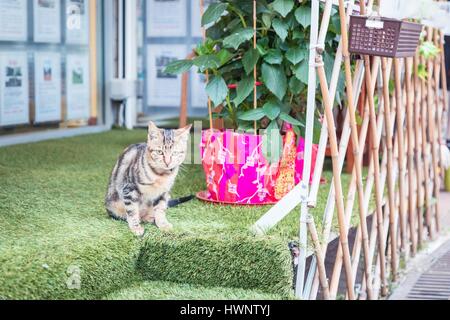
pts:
[281, 61]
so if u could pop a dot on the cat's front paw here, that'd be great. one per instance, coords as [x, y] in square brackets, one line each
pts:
[165, 226]
[138, 231]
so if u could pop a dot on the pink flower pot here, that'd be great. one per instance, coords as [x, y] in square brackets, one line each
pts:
[236, 170]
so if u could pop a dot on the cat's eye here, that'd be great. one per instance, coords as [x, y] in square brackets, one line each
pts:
[159, 152]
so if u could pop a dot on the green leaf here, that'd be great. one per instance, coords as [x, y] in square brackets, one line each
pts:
[272, 109]
[267, 20]
[422, 72]
[236, 39]
[303, 16]
[335, 24]
[178, 66]
[428, 50]
[274, 79]
[281, 29]
[296, 54]
[244, 88]
[250, 59]
[207, 47]
[283, 7]
[262, 51]
[301, 71]
[217, 90]
[213, 13]
[209, 61]
[296, 85]
[274, 56]
[224, 56]
[285, 117]
[298, 35]
[328, 64]
[272, 143]
[252, 115]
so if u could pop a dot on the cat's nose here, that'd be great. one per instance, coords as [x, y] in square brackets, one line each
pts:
[167, 160]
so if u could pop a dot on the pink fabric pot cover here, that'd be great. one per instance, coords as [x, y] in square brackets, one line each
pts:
[236, 170]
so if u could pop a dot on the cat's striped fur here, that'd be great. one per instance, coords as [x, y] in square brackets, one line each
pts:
[143, 176]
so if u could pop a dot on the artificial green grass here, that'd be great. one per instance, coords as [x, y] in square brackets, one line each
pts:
[51, 208]
[164, 290]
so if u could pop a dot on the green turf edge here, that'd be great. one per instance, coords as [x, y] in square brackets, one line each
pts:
[226, 261]
[164, 290]
[105, 265]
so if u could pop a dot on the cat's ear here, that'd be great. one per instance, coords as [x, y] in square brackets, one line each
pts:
[153, 131]
[184, 132]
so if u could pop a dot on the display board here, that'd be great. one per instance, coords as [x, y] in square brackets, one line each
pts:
[47, 79]
[77, 84]
[77, 22]
[173, 29]
[166, 18]
[47, 21]
[39, 39]
[13, 88]
[164, 89]
[13, 20]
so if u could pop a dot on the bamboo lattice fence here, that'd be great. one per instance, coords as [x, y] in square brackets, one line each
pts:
[402, 126]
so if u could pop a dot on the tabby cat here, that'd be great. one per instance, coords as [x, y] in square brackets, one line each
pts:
[141, 180]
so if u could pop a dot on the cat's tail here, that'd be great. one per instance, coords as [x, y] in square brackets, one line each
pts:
[174, 202]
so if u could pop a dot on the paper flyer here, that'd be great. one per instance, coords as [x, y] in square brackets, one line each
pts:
[47, 21]
[77, 22]
[14, 102]
[164, 90]
[166, 18]
[77, 79]
[47, 79]
[13, 20]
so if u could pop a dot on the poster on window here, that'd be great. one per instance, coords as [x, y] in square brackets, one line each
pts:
[13, 20]
[199, 98]
[47, 79]
[164, 90]
[196, 19]
[47, 21]
[77, 79]
[77, 22]
[166, 18]
[14, 88]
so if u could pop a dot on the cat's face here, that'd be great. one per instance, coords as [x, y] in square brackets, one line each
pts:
[167, 147]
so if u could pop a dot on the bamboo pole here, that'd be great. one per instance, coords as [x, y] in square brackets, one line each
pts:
[418, 154]
[310, 109]
[355, 145]
[255, 102]
[431, 132]
[363, 133]
[375, 155]
[443, 72]
[320, 258]
[345, 135]
[437, 119]
[390, 169]
[202, 10]
[343, 236]
[426, 158]
[400, 145]
[410, 158]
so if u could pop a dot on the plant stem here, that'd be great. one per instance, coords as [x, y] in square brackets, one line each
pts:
[231, 111]
[244, 24]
